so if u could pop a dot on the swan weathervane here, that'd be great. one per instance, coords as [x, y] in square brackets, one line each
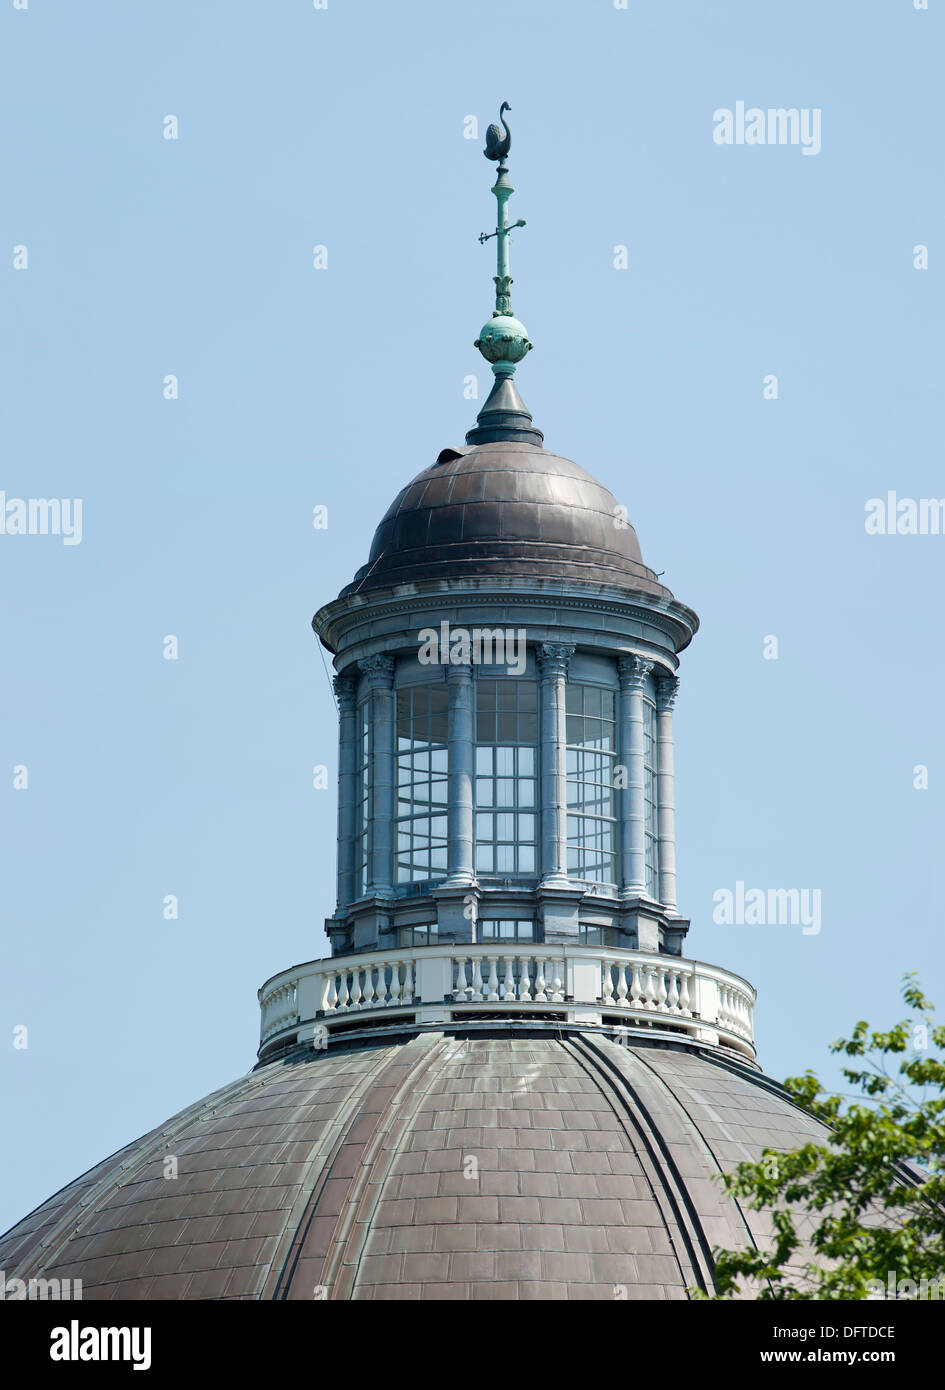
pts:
[497, 144]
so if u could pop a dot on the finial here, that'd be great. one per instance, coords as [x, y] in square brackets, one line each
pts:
[503, 341]
[506, 342]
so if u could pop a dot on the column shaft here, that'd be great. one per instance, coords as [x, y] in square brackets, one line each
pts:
[346, 691]
[553, 661]
[633, 671]
[666, 790]
[460, 864]
[380, 673]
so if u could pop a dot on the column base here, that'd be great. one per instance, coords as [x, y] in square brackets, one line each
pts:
[463, 879]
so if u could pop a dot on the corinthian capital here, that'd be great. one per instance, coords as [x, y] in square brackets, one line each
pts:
[379, 671]
[667, 688]
[346, 690]
[633, 671]
[553, 658]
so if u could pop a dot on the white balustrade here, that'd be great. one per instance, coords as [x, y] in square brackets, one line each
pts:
[698, 999]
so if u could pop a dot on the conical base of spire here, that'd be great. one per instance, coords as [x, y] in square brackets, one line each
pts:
[505, 416]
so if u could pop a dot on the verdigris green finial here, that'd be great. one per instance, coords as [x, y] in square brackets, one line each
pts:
[503, 340]
[504, 418]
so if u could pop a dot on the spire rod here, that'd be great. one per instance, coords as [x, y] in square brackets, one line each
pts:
[503, 341]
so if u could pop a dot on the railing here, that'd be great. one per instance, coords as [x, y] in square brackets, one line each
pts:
[581, 984]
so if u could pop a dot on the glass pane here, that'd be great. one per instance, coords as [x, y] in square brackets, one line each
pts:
[439, 728]
[484, 855]
[572, 698]
[505, 792]
[505, 827]
[505, 691]
[528, 728]
[484, 791]
[526, 791]
[526, 761]
[575, 728]
[438, 760]
[505, 761]
[526, 827]
[507, 931]
[485, 695]
[438, 827]
[484, 827]
[484, 761]
[485, 728]
[607, 704]
[505, 859]
[527, 695]
[506, 727]
[438, 699]
[438, 859]
[526, 859]
[592, 700]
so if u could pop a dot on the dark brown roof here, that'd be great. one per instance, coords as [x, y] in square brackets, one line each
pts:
[437, 1167]
[505, 509]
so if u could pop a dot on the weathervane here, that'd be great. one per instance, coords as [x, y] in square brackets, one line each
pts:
[503, 341]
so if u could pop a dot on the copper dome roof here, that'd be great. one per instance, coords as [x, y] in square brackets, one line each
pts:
[505, 508]
[348, 1171]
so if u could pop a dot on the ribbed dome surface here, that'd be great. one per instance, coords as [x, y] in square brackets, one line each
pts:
[507, 509]
[439, 1167]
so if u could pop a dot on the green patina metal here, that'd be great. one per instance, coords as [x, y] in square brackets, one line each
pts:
[503, 341]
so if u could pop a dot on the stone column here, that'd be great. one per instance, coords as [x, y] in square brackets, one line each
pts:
[346, 693]
[553, 660]
[632, 671]
[379, 671]
[460, 865]
[666, 689]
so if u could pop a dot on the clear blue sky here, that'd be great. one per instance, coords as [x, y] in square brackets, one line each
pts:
[344, 127]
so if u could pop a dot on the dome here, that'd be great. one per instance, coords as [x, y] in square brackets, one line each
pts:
[505, 508]
[428, 1167]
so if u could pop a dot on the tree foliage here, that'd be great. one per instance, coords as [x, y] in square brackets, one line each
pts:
[871, 1198]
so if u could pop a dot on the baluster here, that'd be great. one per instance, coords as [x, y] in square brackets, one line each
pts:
[606, 982]
[325, 1004]
[344, 998]
[524, 983]
[672, 998]
[493, 978]
[476, 978]
[372, 997]
[407, 996]
[660, 988]
[622, 985]
[685, 999]
[557, 994]
[394, 983]
[540, 995]
[636, 987]
[649, 991]
[508, 991]
[356, 992]
[459, 993]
